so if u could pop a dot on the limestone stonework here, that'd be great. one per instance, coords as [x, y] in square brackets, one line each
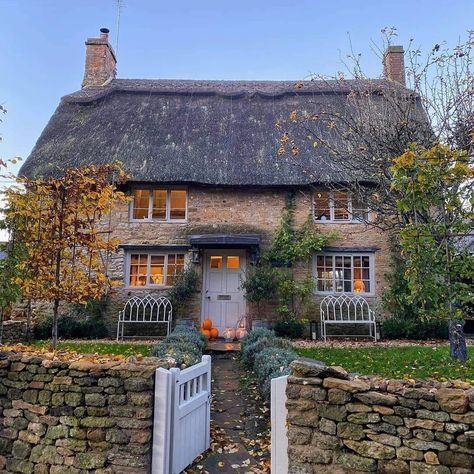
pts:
[75, 417]
[236, 210]
[345, 424]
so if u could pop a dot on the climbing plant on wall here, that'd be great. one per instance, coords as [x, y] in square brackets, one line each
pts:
[274, 276]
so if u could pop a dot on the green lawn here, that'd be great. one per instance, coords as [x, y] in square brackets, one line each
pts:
[102, 347]
[417, 362]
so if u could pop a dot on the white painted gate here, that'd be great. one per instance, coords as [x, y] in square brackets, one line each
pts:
[181, 430]
[279, 436]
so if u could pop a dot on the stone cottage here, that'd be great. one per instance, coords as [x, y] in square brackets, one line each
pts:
[207, 183]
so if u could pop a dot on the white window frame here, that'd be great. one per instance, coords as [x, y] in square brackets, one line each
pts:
[345, 254]
[332, 206]
[150, 204]
[149, 254]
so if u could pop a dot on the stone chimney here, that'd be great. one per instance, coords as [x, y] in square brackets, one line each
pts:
[101, 63]
[394, 64]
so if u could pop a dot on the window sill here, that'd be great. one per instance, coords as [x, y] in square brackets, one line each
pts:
[157, 221]
[155, 287]
[341, 222]
[345, 293]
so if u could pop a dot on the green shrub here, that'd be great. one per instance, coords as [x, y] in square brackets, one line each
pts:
[292, 329]
[182, 333]
[183, 353]
[70, 327]
[256, 334]
[183, 290]
[414, 328]
[250, 351]
[270, 363]
[265, 387]
[185, 345]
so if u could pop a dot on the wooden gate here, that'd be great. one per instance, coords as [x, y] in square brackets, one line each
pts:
[181, 429]
[279, 439]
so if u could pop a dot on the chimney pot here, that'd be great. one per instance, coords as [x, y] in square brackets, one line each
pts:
[101, 63]
[394, 64]
[104, 33]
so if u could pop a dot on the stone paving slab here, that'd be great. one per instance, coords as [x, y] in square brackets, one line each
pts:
[233, 419]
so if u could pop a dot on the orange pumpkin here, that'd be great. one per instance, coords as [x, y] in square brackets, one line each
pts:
[207, 324]
[206, 332]
[214, 333]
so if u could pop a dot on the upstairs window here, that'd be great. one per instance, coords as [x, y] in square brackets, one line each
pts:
[148, 269]
[338, 206]
[165, 205]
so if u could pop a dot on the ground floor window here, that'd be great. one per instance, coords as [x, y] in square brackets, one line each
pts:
[344, 273]
[153, 269]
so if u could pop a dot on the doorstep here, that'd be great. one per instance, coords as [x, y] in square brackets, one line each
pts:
[219, 345]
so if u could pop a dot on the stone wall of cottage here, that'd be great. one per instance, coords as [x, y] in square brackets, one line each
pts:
[75, 417]
[225, 210]
[343, 424]
[234, 210]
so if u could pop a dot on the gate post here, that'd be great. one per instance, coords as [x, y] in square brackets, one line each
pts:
[161, 449]
[207, 359]
[279, 434]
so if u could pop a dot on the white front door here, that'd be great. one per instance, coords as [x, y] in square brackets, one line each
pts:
[224, 301]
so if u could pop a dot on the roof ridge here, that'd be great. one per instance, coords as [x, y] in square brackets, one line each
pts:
[222, 88]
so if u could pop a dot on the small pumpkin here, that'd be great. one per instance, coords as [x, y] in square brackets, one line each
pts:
[214, 333]
[206, 332]
[207, 324]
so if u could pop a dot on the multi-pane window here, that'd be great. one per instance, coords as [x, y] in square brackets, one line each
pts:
[147, 269]
[338, 206]
[159, 204]
[344, 273]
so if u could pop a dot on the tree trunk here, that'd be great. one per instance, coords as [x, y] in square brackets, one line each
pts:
[1, 326]
[457, 341]
[28, 321]
[55, 323]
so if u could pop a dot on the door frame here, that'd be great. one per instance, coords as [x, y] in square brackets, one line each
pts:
[223, 251]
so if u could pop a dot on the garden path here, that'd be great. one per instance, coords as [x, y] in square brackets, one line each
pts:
[239, 422]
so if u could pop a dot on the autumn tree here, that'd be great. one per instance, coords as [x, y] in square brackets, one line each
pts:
[435, 186]
[60, 223]
[362, 131]
[358, 133]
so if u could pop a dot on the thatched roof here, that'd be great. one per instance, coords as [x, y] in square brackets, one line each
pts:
[208, 132]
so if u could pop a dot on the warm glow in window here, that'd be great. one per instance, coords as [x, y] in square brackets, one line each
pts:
[160, 204]
[159, 270]
[338, 206]
[175, 267]
[233, 262]
[141, 203]
[322, 208]
[341, 206]
[138, 269]
[216, 262]
[343, 273]
[177, 204]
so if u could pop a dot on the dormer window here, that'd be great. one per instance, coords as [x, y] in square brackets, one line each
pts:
[159, 204]
[338, 206]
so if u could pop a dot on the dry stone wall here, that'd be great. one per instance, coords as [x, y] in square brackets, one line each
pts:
[340, 423]
[14, 331]
[77, 417]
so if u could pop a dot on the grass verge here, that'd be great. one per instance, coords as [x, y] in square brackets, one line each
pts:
[411, 362]
[101, 347]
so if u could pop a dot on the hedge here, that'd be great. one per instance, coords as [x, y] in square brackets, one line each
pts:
[268, 355]
[184, 345]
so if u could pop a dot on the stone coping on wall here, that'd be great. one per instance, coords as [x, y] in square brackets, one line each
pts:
[84, 415]
[338, 423]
